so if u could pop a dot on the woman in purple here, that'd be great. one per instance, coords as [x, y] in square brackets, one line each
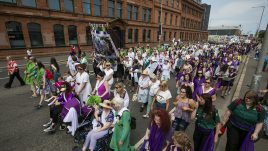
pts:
[102, 87]
[206, 88]
[199, 80]
[158, 132]
[59, 107]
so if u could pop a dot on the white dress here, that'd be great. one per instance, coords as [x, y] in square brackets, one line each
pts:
[83, 78]
[126, 98]
[109, 73]
[143, 93]
[165, 72]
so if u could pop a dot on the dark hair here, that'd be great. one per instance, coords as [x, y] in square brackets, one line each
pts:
[40, 65]
[164, 118]
[188, 90]
[188, 76]
[53, 61]
[209, 109]
[224, 68]
[101, 74]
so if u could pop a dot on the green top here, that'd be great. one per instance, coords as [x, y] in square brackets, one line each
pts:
[29, 72]
[206, 123]
[39, 76]
[121, 133]
[248, 116]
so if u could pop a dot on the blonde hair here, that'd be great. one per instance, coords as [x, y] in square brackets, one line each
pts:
[164, 85]
[118, 102]
[183, 140]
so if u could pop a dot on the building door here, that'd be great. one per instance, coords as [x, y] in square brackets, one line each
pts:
[118, 36]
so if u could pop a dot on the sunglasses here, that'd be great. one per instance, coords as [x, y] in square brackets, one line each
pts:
[80, 69]
[207, 82]
[117, 87]
[183, 91]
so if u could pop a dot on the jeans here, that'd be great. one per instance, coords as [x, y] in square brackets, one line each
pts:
[160, 105]
[179, 124]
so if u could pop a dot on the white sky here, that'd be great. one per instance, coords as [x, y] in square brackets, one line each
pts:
[236, 12]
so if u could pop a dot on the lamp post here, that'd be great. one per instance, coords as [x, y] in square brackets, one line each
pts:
[258, 28]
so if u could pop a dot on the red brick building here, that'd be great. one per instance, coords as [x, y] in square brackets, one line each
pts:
[51, 26]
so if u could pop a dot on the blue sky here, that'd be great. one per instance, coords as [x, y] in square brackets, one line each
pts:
[236, 12]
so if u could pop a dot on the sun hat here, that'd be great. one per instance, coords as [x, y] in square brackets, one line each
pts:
[106, 104]
[145, 72]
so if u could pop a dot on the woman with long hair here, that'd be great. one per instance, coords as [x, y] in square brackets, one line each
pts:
[30, 73]
[207, 119]
[55, 69]
[121, 92]
[162, 97]
[184, 107]
[244, 119]
[158, 132]
[206, 88]
[42, 83]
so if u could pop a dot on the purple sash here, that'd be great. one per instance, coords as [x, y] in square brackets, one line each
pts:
[209, 143]
[248, 144]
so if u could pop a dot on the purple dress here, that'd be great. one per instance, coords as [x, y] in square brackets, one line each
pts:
[101, 91]
[68, 101]
[200, 91]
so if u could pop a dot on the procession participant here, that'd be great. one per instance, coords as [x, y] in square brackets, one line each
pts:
[13, 71]
[84, 60]
[180, 142]
[108, 74]
[103, 121]
[207, 120]
[184, 107]
[187, 82]
[143, 90]
[71, 63]
[162, 97]
[206, 88]
[152, 67]
[244, 119]
[82, 86]
[128, 64]
[131, 54]
[121, 92]
[121, 136]
[119, 74]
[55, 69]
[42, 83]
[199, 80]
[135, 74]
[166, 68]
[102, 87]
[30, 73]
[158, 133]
[154, 86]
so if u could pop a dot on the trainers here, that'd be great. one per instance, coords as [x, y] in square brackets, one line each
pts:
[47, 124]
[49, 129]
[145, 116]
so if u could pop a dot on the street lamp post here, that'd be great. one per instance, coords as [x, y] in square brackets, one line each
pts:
[258, 28]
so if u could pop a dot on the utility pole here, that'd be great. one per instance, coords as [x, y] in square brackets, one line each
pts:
[256, 80]
[258, 28]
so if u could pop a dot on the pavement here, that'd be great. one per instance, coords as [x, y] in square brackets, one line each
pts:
[21, 124]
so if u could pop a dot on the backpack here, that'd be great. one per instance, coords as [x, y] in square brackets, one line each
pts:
[49, 75]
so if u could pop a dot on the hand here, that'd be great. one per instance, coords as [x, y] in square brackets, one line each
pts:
[254, 136]
[120, 143]
[78, 93]
[216, 138]
[184, 108]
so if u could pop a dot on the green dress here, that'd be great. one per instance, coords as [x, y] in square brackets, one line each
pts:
[39, 76]
[121, 132]
[29, 73]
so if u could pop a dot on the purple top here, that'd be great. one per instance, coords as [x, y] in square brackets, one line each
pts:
[198, 81]
[179, 113]
[64, 97]
[74, 102]
[101, 91]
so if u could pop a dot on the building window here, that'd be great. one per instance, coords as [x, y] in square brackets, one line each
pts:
[97, 7]
[149, 15]
[166, 2]
[9, 1]
[111, 8]
[178, 3]
[69, 5]
[89, 36]
[54, 4]
[171, 17]
[86, 7]
[136, 35]
[172, 3]
[135, 15]
[129, 12]
[119, 9]
[144, 35]
[164, 35]
[176, 20]
[159, 16]
[149, 36]
[30, 3]
[72, 35]
[165, 18]
[144, 14]
[169, 35]
[15, 34]
[175, 34]
[129, 35]
[35, 35]
[59, 35]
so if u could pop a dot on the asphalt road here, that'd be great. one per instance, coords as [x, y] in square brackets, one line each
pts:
[21, 124]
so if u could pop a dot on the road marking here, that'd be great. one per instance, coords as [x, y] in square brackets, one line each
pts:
[4, 78]
[137, 145]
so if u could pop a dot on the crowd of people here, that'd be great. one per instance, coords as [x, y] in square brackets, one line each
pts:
[201, 71]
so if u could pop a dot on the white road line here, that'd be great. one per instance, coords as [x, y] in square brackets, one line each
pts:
[4, 78]
[137, 145]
